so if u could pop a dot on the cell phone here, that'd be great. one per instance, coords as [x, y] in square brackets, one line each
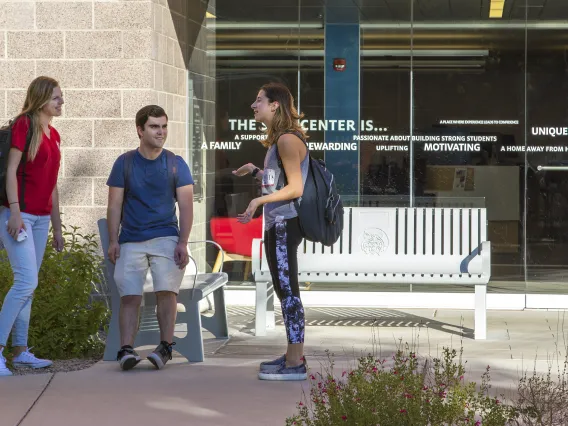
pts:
[22, 235]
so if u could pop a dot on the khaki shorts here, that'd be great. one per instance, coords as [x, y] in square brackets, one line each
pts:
[157, 255]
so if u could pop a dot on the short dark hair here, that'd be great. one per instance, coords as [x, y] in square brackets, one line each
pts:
[149, 111]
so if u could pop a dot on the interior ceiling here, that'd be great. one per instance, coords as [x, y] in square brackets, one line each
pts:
[388, 10]
[276, 34]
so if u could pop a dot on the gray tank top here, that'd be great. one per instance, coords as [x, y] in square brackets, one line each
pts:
[273, 180]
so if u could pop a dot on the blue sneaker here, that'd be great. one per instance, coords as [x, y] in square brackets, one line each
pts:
[274, 364]
[283, 373]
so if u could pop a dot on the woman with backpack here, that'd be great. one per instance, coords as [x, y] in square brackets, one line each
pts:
[283, 178]
[32, 201]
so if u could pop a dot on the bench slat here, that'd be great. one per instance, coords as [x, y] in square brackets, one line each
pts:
[465, 231]
[456, 229]
[401, 231]
[475, 216]
[410, 234]
[483, 224]
[420, 217]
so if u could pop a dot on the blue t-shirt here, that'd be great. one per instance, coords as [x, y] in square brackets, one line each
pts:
[149, 205]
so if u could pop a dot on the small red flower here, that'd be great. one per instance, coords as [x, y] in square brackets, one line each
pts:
[344, 418]
[461, 377]
[403, 411]
[300, 404]
[478, 423]
[312, 377]
[375, 369]
[425, 388]
[344, 373]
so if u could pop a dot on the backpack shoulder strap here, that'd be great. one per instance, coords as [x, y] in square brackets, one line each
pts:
[128, 160]
[23, 161]
[171, 162]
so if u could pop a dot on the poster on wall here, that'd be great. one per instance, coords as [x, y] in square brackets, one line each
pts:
[460, 175]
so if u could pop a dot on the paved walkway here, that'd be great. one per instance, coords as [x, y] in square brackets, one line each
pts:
[224, 390]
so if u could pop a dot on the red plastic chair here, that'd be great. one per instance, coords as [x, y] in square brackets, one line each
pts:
[236, 239]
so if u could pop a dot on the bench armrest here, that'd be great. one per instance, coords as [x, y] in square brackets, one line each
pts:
[195, 263]
[216, 245]
[256, 254]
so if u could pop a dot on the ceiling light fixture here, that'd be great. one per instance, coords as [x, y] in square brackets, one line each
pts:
[496, 8]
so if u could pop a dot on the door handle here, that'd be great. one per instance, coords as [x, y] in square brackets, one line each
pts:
[565, 168]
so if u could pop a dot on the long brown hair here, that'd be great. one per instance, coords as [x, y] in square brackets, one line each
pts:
[286, 117]
[39, 94]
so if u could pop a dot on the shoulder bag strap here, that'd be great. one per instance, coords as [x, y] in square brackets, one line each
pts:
[171, 162]
[23, 162]
[128, 160]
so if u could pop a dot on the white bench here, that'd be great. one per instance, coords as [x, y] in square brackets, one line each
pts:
[392, 245]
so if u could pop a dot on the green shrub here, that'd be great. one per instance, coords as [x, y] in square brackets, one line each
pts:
[65, 320]
[406, 391]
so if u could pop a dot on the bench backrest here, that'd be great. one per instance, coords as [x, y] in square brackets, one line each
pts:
[407, 231]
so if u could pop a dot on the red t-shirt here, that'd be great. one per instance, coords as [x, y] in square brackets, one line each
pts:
[40, 174]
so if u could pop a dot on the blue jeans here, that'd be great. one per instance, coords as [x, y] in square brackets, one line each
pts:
[25, 259]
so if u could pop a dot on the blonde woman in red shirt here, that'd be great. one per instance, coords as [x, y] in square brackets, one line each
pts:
[32, 203]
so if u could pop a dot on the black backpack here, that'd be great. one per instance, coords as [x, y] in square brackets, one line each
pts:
[320, 210]
[5, 145]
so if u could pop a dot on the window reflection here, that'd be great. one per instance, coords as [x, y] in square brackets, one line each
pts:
[443, 70]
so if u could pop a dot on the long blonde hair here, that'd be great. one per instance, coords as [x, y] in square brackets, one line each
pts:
[286, 117]
[39, 94]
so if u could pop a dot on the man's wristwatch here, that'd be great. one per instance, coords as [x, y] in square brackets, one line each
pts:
[255, 171]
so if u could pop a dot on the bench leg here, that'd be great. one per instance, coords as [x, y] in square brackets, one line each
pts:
[191, 346]
[217, 324]
[480, 330]
[264, 318]
[113, 336]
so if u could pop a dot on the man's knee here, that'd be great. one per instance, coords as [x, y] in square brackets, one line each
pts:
[165, 295]
[131, 301]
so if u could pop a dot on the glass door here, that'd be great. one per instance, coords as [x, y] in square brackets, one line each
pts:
[468, 114]
[546, 155]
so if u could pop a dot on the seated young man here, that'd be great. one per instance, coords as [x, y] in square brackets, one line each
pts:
[144, 185]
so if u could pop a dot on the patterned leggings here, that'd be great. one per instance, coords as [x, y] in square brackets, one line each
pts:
[282, 241]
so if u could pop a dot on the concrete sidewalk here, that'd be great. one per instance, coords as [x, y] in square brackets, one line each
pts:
[224, 390]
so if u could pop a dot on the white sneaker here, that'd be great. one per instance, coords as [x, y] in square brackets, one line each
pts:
[27, 359]
[3, 369]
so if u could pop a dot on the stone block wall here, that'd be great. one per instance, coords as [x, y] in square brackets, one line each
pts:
[111, 58]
